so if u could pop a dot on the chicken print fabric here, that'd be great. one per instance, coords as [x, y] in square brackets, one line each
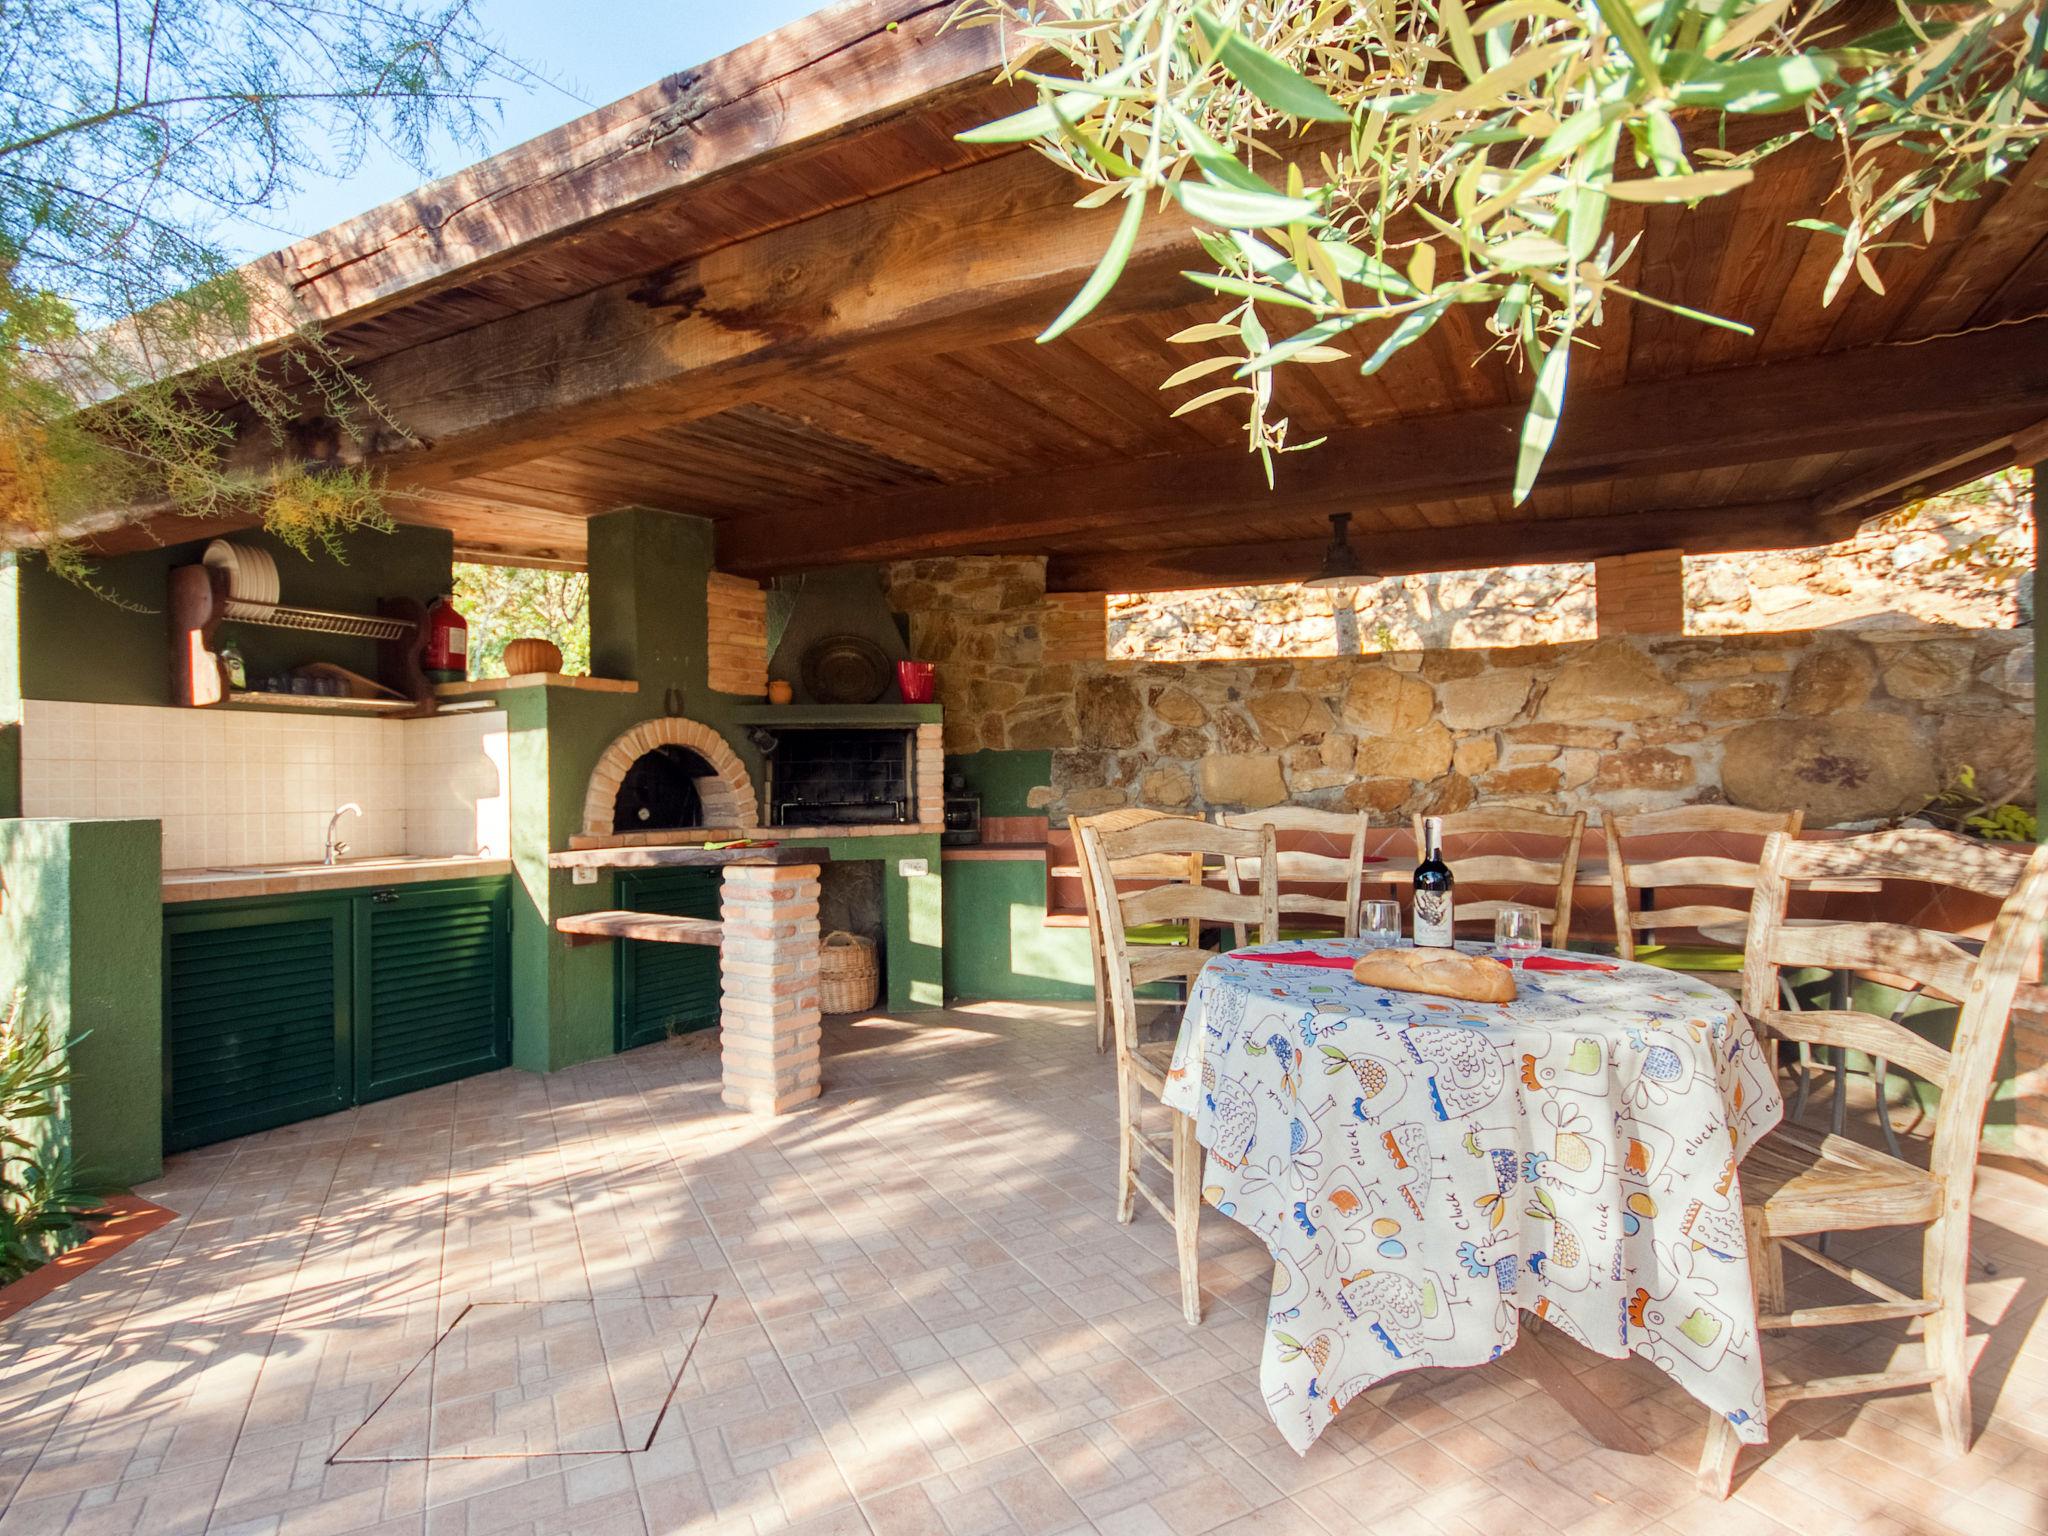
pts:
[1423, 1170]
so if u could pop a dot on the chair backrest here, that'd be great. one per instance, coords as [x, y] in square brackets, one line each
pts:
[1691, 870]
[1554, 876]
[1143, 867]
[1982, 984]
[1297, 867]
[1103, 850]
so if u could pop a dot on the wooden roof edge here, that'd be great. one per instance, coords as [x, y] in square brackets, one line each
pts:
[830, 73]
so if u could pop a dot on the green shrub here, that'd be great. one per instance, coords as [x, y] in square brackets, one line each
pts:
[43, 1209]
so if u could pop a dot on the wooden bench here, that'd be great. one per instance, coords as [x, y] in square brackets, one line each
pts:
[595, 927]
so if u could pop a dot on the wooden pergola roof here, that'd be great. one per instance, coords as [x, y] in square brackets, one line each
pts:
[775, 292]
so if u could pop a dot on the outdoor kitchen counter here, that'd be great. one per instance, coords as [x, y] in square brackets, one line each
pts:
[300, 879]
[687, 856]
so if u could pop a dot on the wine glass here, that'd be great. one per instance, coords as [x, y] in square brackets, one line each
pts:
[1379, 923]
[1518, 934]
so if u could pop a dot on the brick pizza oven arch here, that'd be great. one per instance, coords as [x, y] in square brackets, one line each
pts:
[728, 799]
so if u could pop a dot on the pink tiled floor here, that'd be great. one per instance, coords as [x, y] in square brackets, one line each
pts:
[925, 1321]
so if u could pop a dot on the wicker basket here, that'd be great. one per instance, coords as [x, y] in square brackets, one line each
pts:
[848, 976]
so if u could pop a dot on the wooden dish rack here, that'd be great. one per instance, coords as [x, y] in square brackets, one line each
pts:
[199, 604]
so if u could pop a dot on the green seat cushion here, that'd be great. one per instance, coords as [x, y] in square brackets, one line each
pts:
[1690, 957]
[1157, 933]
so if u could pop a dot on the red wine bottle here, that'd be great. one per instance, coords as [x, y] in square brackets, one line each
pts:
[1433, 886]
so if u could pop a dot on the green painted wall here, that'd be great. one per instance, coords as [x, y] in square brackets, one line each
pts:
[81, 923]
[997, 944]
[111, 646]
[1004, 780]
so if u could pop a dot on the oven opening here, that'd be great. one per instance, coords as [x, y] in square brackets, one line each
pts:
[659, 791]
[833, 776]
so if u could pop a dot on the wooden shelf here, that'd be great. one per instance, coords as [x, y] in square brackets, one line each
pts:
[321, 703]
[650, 927]
[490, 685]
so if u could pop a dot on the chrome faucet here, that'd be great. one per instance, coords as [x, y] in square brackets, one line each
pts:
[335, 846]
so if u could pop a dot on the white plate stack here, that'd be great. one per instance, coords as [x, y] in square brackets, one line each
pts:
[252, 574]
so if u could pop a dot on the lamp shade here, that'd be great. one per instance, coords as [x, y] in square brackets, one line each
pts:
[1341, 565]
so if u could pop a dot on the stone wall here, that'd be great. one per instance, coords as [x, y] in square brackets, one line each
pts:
[1851, 725]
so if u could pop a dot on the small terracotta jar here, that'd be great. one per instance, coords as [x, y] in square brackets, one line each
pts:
[779, 691]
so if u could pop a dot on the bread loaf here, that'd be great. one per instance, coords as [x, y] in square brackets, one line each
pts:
[1439, 973]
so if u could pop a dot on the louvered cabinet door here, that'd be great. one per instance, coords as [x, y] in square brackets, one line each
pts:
[667, 989]
[432, 993]
[256, 1013]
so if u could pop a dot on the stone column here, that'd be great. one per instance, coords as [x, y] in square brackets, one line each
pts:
[768, 965]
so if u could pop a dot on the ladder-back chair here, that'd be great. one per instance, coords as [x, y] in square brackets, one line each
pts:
[1143, 867]
[1636, 924]
[1554, 877]
[1799, 1182]
[1344, 871]
[1141, 1067]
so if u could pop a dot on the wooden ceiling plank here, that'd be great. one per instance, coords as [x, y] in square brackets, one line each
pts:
[875, 418]
[2004, 237]
[1998, 379]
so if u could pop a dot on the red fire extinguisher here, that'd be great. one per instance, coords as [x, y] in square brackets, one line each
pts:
[446, 657]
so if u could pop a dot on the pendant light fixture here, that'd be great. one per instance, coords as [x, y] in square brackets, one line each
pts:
[1341, 565]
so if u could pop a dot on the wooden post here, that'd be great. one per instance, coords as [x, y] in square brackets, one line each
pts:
[2038, 465]
[2030, 451]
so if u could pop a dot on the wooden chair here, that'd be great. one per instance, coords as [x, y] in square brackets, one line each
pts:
[1799, 1182]
[1346, 870]
[1496, 869]
[1718, 964]
[1144, 867]
[1141, 1067]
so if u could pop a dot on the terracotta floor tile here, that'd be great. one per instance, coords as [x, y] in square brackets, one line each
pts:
[926, 1321]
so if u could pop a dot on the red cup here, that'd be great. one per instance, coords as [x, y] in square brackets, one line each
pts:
[916, 679]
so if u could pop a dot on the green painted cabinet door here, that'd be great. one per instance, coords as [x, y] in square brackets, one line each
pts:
[432, 994]
[667, 989]
[256, 1014]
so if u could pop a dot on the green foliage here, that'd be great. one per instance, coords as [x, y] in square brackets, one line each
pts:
[138, 365]
[1481, 154]
[1963, 807]
[505, 603]
[43, 1209]
[1997, 557]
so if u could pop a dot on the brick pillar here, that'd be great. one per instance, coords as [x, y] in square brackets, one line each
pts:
[1640, 594]
[768, 965]
[929, 772]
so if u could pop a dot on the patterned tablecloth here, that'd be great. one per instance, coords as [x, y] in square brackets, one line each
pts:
[1423, 1170]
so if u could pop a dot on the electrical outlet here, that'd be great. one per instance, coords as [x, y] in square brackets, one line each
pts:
[911, 868]
[583, 874]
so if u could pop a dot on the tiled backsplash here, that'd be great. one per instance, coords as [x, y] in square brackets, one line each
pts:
[243, 787]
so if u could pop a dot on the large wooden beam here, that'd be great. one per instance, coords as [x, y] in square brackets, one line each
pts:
[985, 254]
[1993, 381]
[1718, 530]
[818, 78]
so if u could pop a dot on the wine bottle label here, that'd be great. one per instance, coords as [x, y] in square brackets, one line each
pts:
[1433, 919]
